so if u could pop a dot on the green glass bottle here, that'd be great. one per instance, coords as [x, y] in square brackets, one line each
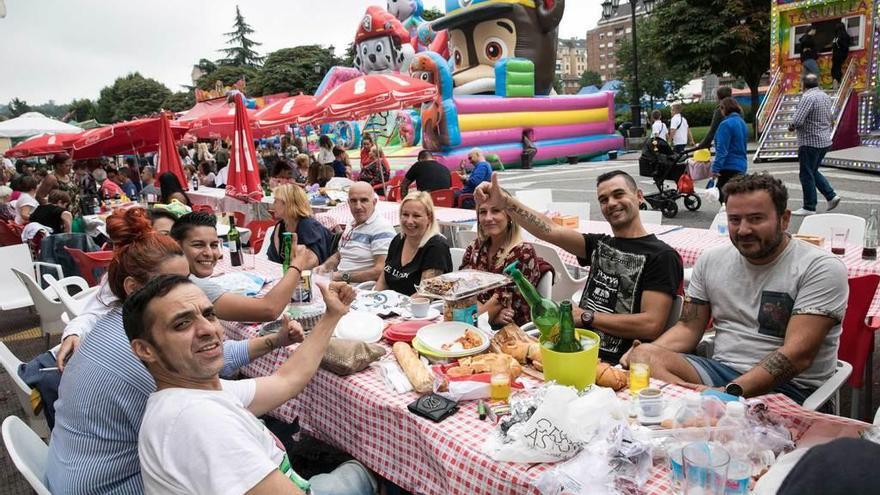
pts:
[234, 243]
[568, 339]
[544, 312]
[286, 251]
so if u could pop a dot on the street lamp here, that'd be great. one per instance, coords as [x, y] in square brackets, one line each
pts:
[608, 8]
[317, 67]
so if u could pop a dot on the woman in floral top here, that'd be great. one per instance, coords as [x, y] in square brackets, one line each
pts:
[499, 243]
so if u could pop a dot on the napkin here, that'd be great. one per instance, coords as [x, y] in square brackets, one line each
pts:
[393, 375]
[246, 283]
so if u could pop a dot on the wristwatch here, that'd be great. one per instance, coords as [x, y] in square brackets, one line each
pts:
[733, 389]
[346, 277]
[587, 318]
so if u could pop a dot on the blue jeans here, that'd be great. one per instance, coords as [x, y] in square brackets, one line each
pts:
[716, 374]
[349, 478]
[811, 178]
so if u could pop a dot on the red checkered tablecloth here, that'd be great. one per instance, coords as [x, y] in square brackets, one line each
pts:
[390, 211]
[360, 415]
[690, 244]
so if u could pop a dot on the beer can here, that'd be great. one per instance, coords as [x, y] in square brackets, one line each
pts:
[303, 291]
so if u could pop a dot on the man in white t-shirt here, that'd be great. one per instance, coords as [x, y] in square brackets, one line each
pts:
[200, 434]
[776, 305]
[364, 244]
[658, 128]
[679, 130]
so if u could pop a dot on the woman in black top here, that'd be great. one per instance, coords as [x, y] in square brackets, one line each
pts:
[294, 215]
[170, 188]
[418, 251]
[54, 214]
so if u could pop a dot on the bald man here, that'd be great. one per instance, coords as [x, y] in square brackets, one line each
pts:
[364, 244]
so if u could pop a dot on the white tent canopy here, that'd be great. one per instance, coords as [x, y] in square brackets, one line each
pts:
[33, 123]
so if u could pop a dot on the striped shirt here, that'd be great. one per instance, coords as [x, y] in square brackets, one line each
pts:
[361, 243]
[102, 399]
[813, 119]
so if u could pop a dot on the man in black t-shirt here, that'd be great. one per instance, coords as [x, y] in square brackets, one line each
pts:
[428, 174]
[633, 275]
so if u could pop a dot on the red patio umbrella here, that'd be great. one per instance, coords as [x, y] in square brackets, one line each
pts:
[168, 159]
[243, 181]
[44, 144]
[285, 111]
[220, 123]
[374, 93]
[130, 137]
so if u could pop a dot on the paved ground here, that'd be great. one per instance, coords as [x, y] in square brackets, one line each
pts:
[568, 182]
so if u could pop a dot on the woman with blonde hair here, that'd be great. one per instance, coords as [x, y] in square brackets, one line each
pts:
[499, 243]
[301, 168]
[294, 215]
[418, 251]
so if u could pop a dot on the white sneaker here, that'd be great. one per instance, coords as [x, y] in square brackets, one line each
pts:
[833, 202]
[803, 213]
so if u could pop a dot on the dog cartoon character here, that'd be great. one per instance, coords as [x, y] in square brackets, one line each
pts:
[482, 32]
[439, 116]
[381, 43]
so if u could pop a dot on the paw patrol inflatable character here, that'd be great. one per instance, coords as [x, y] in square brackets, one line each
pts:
[482, 32]
[439, 116]
[382, 43]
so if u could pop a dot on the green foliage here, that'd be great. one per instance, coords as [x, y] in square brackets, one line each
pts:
[179, 101]
[292, 70]
[241, 49]
[129, 97]
[656, 79]
[348, 59]
[431, 14]
[557, 85]
[18, 107]
[82, 110]
[590, 78]
[51, 109]
[229, 75]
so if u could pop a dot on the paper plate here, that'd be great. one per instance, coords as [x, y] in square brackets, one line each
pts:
[435, 336]
[359, 325]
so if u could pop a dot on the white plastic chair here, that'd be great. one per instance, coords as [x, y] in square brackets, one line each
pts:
[18, 256]
[457, 257]
[582, 210]
[466, 237]
[821, 225]
[73, 305]
[536, 199]
[27, 451]
[52, 315]
[22, 391]
[565, 283]
[545, 285]
[651, 216]
[877, 417]
[264, 249]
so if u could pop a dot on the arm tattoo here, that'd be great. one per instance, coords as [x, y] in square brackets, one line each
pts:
[271, 342]
[689, 309]
[431, 273]
[530, 217]
[778, 365]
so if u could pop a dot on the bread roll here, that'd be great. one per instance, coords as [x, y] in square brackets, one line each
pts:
[418, 374]
[609, 376]
[485, 363]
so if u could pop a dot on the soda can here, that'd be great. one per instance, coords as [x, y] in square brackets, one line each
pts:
[286, 248]
[303, 291]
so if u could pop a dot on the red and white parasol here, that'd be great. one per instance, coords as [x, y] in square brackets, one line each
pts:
[130, 137]
[243, 181]
[44, 144]
[284, 112]
[370, 94]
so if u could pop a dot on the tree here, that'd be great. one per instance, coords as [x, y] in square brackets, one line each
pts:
[718, 36]
[292, 70]
[229, 75]
[82, 110]
[18, 107]
[557, 85]
[241, 52]
[348, 59]
[206, 66]
[131, 96]
[179, 101]
[431, 14]
[590, 78]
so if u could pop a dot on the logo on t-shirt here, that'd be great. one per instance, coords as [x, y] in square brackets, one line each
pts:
[774, 313]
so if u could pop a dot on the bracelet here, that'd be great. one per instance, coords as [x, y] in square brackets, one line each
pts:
[298, 269]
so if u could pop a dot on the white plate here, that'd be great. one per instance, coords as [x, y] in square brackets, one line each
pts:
[375, 301]
[435, 336]
[359, 325]
[432, 313]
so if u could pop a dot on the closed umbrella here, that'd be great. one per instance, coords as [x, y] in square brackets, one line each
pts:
[130, 137]
[44, 144]
[168, 159]
[243, 181]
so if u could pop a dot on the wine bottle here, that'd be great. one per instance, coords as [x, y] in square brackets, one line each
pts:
[234, 243]
[568, 340]
[544, 312]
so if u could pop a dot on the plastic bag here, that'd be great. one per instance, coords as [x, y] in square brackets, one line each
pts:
[699, 170]
[685, 184]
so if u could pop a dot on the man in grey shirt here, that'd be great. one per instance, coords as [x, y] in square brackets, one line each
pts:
[777, 305]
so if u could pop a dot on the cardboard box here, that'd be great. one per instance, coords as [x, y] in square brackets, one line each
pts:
[569, 221]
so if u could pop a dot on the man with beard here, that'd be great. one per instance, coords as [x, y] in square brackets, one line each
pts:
[776, 302]
[633, 275]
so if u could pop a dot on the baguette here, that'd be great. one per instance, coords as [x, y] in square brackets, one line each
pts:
[418, 374]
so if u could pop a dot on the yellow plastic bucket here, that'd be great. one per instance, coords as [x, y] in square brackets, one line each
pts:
[702, 155]
[577, 369]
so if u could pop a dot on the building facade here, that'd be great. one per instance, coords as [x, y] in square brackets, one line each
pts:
[571, 62]
[602, 40]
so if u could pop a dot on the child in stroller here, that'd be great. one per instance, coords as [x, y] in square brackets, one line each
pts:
[661, 163]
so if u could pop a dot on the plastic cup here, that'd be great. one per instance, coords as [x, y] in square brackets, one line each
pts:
[249, 258]
[705, 468]
[839, 237]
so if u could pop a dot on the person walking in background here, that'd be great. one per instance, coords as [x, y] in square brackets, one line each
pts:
[730, 145]
[721, 92]
[808, 56]
[658, 128]
[679, 129]
[839, 53]
[813, 120]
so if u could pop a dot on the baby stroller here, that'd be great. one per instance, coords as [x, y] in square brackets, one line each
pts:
[661, 163]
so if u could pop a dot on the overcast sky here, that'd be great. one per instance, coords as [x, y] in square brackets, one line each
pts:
[65, 49]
